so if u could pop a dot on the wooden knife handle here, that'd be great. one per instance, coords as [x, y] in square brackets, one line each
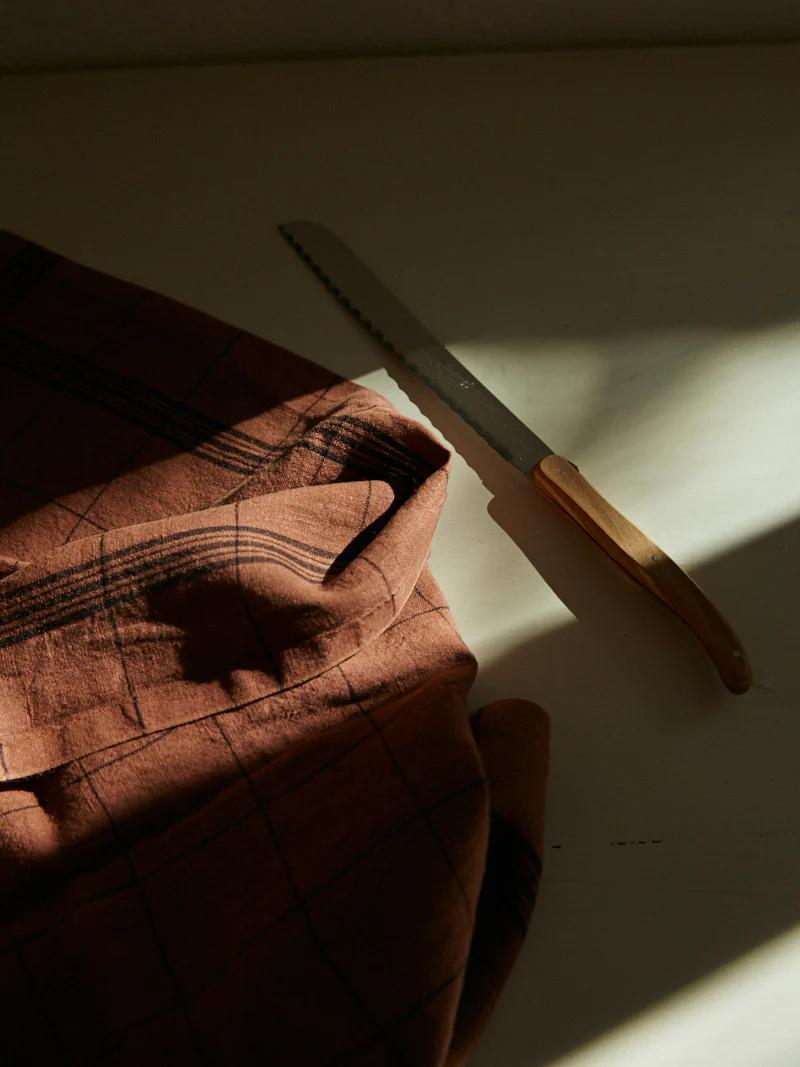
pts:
[561, 482]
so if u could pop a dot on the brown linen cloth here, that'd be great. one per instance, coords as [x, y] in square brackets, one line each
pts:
[244, 815]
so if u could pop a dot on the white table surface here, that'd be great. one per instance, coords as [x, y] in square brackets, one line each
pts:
[611, 241]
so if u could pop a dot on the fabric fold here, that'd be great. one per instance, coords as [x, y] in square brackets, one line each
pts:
[115, 636]
[244, 815]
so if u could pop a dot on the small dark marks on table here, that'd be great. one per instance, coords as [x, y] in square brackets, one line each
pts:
[613, 844]
[652, 841]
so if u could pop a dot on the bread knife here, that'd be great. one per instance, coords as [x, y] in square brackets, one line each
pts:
[556, 478]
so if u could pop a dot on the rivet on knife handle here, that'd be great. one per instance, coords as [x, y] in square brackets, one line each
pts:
[558, 480]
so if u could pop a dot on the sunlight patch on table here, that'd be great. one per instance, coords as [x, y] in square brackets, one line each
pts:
[758, 991]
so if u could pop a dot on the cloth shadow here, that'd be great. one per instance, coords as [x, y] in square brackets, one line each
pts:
[673, 810]
[672, 817]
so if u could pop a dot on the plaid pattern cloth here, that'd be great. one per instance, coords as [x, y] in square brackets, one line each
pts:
[244, 815]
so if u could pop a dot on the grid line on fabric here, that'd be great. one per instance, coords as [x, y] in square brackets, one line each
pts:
[328, 438]
[63, 786]
[289, 440]
[338, 1061]
[401, 451]
[147, 408]
[351, 443]
[19, 269]
[50, 500]
[291, 437]
[149, 919]
[205, 438]
[380, 571]
[364, 452]
[442, 609]
[410, 618]
[171, 729]
[414, 798]
[319, 947]
[380, 1034]
[27, 266]
[365, 512]
[376, 444]
[271, 660]
[74, 593]
[201, 436]
[300, 901]
[399, 1020]
[116, 636]
[131, 456]
[49, 362]
[142, 547]
[352, 863]
[317, 891]
[161, 735]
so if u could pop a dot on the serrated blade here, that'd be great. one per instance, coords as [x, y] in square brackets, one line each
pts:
[357, 288]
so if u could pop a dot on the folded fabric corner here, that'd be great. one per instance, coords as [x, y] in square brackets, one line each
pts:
[244, 814]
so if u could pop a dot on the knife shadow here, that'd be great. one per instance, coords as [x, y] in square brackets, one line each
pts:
[626, 686]
[621, 929]
[607, 603]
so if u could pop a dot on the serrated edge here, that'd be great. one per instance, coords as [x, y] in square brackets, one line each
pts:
[337, 293]
[518, 457]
